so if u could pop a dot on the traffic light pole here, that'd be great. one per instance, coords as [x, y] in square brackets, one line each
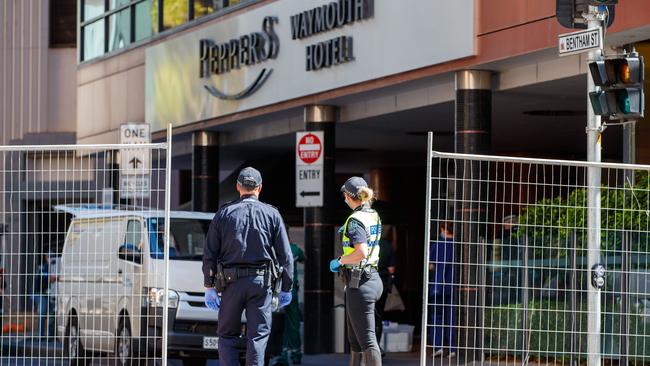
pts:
[594, 131]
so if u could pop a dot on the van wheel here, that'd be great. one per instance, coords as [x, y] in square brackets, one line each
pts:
[124, 345]
[72, 348]
[194, 361]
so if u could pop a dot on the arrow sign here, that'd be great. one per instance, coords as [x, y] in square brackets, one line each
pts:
[135, 162]
[309, 168]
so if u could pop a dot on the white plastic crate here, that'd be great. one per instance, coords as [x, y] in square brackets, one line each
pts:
[397, 338]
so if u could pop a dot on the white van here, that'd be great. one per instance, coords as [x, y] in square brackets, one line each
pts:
[110, 288]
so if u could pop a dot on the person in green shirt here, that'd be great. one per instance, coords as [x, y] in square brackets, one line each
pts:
[291, 342]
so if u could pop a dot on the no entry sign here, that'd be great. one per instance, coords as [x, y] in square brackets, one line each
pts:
[309, 169]
[310, 148]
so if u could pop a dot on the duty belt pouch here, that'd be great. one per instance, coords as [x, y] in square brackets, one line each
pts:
[355, 277]
[230, 275]
[220, 279]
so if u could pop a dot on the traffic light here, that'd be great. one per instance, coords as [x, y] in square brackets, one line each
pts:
[621, 83]
[569, 12]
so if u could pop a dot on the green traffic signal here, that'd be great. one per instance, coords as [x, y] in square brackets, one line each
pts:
[618, 103]
[621, 83]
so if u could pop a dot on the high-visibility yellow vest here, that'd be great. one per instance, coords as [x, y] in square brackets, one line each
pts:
[372, 223]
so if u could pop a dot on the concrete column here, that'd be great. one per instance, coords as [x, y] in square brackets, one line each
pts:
[205, 171]
[472, 136]
[319, 241]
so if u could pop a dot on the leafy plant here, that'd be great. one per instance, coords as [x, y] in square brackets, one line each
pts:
[551, 222]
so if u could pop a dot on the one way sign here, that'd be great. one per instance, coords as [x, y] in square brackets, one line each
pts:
[135, 163]
[309, 169]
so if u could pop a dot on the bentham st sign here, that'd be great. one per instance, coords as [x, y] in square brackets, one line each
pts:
[578, 42]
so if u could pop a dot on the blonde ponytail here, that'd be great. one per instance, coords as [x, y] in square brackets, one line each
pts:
[366, 194]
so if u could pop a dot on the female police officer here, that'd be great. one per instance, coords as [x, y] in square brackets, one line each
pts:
[358, 265]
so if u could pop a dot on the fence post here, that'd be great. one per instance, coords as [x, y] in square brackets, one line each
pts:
[168, 170]
[427, 239]
[524, 299]
[625, 297]
[574, 298]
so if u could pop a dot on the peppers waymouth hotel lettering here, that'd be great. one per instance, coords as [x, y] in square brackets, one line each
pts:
[325, 18]
[220, 58]
[247, 50]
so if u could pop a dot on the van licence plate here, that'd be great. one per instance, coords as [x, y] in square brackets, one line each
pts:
[210, 342]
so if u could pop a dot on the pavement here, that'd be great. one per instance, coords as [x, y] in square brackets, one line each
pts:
[28, 351]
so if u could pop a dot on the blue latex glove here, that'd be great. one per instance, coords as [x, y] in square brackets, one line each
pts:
[335, 265]
[212, 299]
[284, 299]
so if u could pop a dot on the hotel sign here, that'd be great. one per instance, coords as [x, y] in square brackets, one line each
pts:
[337, 50]
[247, 50]
[287, 49]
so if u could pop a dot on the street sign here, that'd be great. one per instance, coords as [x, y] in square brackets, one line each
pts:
[135, 186]
[581, 41]
[135, 163]
[309, 169]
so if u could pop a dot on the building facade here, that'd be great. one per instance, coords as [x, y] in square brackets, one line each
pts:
[38, 106]
[238, 79]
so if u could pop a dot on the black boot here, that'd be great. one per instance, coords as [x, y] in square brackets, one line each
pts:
[355, 358]
[371, 357]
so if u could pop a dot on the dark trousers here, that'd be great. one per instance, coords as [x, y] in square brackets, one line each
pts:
[379, 306]
[360, 309]
[442, 322]
[291, 337]
[252, 295]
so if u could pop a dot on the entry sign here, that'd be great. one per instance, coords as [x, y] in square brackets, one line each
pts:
[135, 163]
[309, 168]
[578, 42]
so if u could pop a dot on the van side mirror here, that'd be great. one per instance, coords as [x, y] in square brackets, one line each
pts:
[131, 253]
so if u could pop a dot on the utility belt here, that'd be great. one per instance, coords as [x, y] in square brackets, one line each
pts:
[354, 276]
[227, 275]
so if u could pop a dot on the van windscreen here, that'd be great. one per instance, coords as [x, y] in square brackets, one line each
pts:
[186, 238]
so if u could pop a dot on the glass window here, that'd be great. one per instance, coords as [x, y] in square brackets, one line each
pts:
[205, 7]
[112, 4]
[145, 20]
[93, 8]
[134, 20]
[175, 13]
[186, 239]
[63, 23]
[93, 40]
[134, 234]
[119, 30]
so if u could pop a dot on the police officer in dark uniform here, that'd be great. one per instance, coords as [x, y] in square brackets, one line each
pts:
[244, 239]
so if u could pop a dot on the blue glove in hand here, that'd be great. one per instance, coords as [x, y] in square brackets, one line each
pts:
[284, 299]
[335, 265]
[212, 299]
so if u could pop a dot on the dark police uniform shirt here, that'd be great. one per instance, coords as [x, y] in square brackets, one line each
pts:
[243, 233]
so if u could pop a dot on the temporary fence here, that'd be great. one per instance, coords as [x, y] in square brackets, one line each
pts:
[84, 254]
[509, 276]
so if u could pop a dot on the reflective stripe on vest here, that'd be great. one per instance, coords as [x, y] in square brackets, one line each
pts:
[372, 224]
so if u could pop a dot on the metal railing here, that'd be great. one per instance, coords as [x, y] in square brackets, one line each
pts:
[83, 277]
[506, 278]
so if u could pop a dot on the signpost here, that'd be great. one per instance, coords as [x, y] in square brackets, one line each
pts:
[594, 20]
[309, 169]
[581, 41]
[135, 164]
